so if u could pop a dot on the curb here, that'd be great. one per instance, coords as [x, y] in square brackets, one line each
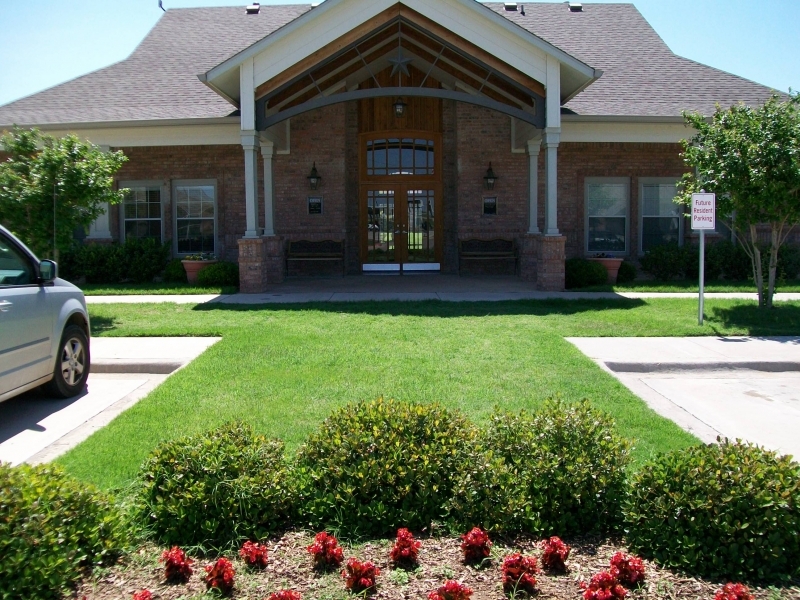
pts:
[766, 366]
[155, 367]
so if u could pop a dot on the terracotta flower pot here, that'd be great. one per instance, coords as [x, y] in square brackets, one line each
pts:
[193, 267]
[612, 267]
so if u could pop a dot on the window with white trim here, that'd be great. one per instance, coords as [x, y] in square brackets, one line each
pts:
[195, 216]
[607, 214]
[661, 219]
[141, 211]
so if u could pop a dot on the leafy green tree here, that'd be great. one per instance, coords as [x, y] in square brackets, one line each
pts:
[750, 158]
[51, 186]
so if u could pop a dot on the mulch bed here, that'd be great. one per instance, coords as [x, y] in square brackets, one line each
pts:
[440, 558]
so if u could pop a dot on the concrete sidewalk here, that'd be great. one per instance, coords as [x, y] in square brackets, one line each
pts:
[35, 428]
[735, 387]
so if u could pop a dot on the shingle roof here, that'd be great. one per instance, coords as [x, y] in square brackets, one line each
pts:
[642, 77]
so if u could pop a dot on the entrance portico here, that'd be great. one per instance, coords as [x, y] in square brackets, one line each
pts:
[399, 72]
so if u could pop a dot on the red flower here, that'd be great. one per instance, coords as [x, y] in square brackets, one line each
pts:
[555, 554]
[475, 545]
[255, 555]
[451, 590]
[628, 569]
[519, 573]
[220, 575]
[734, 591]
[406, 548]
[285, 595]
[177, 567]
[326, 551]
[604, 586]
[143, 595]
[360, 576]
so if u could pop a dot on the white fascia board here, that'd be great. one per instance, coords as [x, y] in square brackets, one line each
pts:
[179, 133]
[333, 18]
[651, 131]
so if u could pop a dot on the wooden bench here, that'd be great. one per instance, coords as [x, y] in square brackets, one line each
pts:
[482, 250]
[317, 251]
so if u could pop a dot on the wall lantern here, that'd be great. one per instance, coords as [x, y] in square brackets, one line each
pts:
[314, 178]
[490, 179]
[399, 108]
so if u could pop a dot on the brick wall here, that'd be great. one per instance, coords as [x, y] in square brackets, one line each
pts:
[168, 164]
[577, 161]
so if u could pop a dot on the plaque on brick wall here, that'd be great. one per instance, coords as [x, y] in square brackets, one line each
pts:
[490, 205]
[315, 205]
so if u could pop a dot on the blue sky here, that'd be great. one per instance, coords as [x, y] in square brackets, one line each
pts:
[46, 42]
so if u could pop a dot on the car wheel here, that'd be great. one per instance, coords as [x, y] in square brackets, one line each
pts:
[72, 364]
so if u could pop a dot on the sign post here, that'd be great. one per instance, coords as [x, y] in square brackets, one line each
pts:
[703, 218]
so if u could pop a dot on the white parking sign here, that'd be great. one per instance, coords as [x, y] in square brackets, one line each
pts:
[704, 211]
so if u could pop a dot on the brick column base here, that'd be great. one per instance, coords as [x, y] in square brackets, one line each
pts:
[541, 261]
[528, 251]
[550, 257]
[261, 262]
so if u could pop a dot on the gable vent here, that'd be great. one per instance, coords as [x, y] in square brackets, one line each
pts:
[575, 7]
[511, 6]
[253, 9]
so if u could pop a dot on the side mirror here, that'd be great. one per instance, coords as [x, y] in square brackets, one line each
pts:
[48, 270]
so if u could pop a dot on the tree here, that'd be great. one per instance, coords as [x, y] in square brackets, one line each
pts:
[750, 158]
[51, 186]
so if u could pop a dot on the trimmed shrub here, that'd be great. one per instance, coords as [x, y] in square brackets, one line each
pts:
[373, 467]
[570, 464]
[664, 262]
[580, 272]
[789, 261]
[174, 271]
[627, 272]
[219, 274]
[137, 260]
[217, 488]
[51, 526]
[727, 510]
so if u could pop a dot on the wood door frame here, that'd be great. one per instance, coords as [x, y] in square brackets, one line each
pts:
[401, 183]
[401, 188]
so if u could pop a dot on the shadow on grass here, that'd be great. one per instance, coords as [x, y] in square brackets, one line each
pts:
[783, 319]
[102, 324]
[439, 308]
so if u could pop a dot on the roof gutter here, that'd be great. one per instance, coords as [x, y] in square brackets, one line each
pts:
[598, 73]
[128, 124]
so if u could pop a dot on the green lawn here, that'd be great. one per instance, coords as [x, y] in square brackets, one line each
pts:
[284, 368]
[161, 289]
[718, 286]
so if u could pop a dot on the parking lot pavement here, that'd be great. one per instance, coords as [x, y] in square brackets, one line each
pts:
[35, 428]
[737, 387]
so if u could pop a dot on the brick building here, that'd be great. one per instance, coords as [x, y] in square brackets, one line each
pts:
[425, 122]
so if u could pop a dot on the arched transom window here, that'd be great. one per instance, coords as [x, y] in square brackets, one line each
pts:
[400, 156]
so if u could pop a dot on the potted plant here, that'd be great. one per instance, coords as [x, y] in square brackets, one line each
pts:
[611, 263]
[194, 263]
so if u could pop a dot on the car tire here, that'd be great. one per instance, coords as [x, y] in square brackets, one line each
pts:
[72, 364]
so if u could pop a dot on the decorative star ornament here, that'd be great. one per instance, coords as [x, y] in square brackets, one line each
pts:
[400, 63]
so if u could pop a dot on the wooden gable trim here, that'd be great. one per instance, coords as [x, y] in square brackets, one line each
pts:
[396, 12]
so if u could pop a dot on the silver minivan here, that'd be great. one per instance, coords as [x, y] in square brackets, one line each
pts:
[44, 325]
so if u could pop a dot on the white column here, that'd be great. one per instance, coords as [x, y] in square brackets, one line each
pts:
[552, 137]
[551, 140]
[267, 151]
[251, 144]
[533, 181]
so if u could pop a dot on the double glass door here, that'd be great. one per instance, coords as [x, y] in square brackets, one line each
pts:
[400, 225]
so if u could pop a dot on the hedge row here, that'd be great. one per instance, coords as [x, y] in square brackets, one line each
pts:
[726, 509]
